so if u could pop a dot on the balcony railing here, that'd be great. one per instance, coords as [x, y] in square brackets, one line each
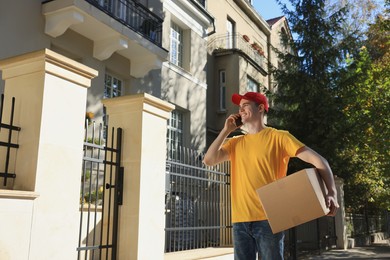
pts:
[238, 42]
[201, 2]
[133, 15]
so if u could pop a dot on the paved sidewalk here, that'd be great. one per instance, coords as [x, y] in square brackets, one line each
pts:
[378, 251]
[375, 251]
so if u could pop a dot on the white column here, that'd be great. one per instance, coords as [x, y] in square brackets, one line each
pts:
[50, 92]
[143, 119]
[340, 224]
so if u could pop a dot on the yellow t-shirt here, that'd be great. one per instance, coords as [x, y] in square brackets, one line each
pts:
[256, 160]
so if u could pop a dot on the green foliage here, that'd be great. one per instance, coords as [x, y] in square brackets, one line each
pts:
[86, 175]
[307, 97]
[94, 196]
[366, 98]
[98, 141]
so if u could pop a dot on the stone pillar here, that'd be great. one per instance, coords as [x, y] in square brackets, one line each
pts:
[143, 119]
[50, 92]
[340, 224]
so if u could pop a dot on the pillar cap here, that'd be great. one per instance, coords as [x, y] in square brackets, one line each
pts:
[50, 62]
[144, 101]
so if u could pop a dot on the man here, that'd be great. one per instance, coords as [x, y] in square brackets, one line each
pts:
[258, 158]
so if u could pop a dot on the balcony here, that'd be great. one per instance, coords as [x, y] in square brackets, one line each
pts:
[122, 26]
[224, 43]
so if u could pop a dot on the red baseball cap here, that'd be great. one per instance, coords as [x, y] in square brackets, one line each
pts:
[252, 96]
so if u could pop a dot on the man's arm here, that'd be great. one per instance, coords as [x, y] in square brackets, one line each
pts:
[310, 156]
[215, 154]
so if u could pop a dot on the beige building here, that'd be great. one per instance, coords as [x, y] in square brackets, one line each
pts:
[193, 54]
[240, 58]
[187, 25]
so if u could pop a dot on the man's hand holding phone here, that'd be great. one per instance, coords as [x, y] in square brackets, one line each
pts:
[238, 121]
[233, 122]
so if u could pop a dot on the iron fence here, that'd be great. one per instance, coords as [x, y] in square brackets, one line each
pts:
[7, 140]
[361, 224]
[197, 203]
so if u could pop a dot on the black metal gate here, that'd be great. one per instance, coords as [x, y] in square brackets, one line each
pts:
[101, 193]
[7, 141]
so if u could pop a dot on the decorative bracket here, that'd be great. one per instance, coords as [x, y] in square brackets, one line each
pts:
[103, 49]
[59, 21]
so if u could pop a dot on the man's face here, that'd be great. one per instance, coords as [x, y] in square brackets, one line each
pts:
[247, 110]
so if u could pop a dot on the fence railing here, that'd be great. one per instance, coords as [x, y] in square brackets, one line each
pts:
[7, 141]
[134, 15]
[360, 224]
[197, 203]
[239, 42]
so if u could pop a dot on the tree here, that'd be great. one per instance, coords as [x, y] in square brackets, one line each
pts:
[360, 14]
[366, 98]
[306, 97]
[334, 96]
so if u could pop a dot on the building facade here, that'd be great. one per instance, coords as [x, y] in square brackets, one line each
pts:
[187, 25]
[191, 53]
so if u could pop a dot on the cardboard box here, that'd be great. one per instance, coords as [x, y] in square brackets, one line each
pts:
[294, 200]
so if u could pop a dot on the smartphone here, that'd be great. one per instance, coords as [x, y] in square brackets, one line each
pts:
[238, 121]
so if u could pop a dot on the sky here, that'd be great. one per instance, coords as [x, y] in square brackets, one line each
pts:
[267, 8]
[270, 9]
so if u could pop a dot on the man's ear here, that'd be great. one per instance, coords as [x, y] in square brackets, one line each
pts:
[261, 107]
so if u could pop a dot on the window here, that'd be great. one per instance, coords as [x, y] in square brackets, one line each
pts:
[222, 90]
[176, 51]
[175, 134]
[230, 27]
[118, 8]
[105, 4]
[121, 9]
[112, 87]
[252, 85]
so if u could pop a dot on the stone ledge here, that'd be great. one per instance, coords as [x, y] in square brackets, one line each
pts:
[18, 194]
[367, 240]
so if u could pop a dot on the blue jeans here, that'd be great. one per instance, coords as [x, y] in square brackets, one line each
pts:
[250, 238]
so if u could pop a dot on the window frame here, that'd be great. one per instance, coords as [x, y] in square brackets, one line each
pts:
[230, 33]
[110, 87]
[252, 85]
[222, 90]
[175, 133]
[176, 44]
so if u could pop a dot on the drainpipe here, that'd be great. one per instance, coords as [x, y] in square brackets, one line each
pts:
[202, 8]
[269, 64]
[213, 31]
